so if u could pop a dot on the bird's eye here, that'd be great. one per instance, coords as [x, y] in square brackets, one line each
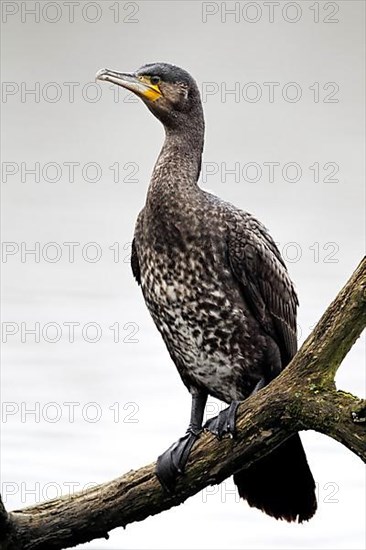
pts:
[155, 80]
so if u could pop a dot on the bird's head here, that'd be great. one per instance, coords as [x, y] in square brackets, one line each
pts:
[169, 92]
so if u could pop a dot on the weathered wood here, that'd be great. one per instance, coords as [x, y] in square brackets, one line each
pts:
[302, 397]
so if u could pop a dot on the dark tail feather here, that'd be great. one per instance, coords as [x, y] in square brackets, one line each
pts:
[280, 484]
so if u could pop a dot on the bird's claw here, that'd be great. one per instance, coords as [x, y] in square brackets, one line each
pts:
[359, 417]
[224, 422]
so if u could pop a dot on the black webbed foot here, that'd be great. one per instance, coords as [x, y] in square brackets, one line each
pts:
[224, 422]
[172, 462]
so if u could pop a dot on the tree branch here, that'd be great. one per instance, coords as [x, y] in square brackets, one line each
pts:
[302, 397]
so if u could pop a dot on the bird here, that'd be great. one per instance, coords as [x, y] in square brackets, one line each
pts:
[218, 291]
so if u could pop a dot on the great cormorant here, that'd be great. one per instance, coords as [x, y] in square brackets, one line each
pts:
[218, 291]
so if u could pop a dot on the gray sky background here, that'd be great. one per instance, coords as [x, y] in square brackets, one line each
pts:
[319, 226]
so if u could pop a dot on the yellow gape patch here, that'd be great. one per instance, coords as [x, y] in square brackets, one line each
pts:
[152, 93]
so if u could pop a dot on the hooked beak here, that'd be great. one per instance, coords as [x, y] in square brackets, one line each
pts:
[138, 85]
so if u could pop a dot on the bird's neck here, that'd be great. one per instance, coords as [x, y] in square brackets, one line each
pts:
[179, 163]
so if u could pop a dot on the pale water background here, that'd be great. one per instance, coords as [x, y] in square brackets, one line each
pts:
[41, 458]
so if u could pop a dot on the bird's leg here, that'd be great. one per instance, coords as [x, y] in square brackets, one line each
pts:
[224, 422]
[259, 385]
[172, 462]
